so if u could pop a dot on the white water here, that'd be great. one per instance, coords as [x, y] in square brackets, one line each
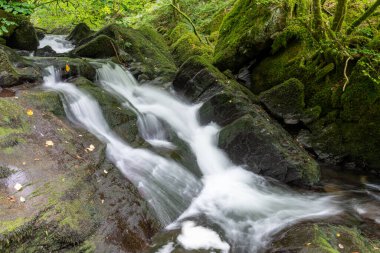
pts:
[241, 208]
[166, 185]
[243, 205]
[57, 42]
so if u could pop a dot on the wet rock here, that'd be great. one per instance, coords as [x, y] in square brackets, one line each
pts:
[80, 32]
[248, 31]
[78, 67]
[249, 136]
[260, 143]
[101, 46]
[40, 34]
[14, 70]
[145, 46]
[46, 51]
[287, 102]
[323, 238]
[24, 37]
[71, 204]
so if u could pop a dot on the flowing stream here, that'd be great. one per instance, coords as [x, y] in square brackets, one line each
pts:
[227, 208]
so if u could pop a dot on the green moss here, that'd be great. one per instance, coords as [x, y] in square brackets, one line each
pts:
[5, 172]
[187, 46]
[46, 101]
[101, 46]
[285, 100]
[247, 31]
[146, 46]
[278, 68]
[322, 73]
[11, 225]
[178, 32]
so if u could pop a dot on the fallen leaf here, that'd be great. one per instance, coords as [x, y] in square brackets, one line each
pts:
[91, 148]
[22, 199]
[67, 68]
[18, 186]
[11, 199]
[340, 246]
[49, 144]
[29, 112]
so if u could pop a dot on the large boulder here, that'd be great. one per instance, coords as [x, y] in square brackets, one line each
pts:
[142, 48]
[249, 135]
[14, 70]
[248, 31]
[74, 199]
[101, 46]
[287, 102]
[24, 37]
[80, 32]
[46, 51]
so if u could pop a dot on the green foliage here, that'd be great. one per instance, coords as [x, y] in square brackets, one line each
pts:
[4, 24]
[17, 8]
[14, 9]
[94, 13]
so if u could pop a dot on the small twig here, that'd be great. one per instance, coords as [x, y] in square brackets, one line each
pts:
[117, 54]
[345, 73]
[190, 21]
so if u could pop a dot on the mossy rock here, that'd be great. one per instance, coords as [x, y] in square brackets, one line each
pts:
[199, 80]
[178, 31]
[247, 32]
[286, 100]
[250, 139]
[278, 68]
[145, 46]
[24, 37]
[101, 46]
[324, 239]
[80, 32]
[189, 45]
[10, 75]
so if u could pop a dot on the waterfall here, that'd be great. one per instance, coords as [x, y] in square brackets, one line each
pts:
[57, 42]
[242, 210]
[148, 171]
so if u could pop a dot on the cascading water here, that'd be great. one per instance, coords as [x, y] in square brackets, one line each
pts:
[243, 205]
[57, 42]
[148, 171]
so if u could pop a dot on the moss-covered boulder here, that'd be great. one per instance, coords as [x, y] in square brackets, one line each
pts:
[249, 135]
[101, 46]
[14, 70]
[142, 48]
[323, 238]
[24, 37]
[260, 143]
[287, 102]
[187, 45]
[248, 32]
[80, 32]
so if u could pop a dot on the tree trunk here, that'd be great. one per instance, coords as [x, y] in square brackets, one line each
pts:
[340, 15]
[318, 20]
[360, 20]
